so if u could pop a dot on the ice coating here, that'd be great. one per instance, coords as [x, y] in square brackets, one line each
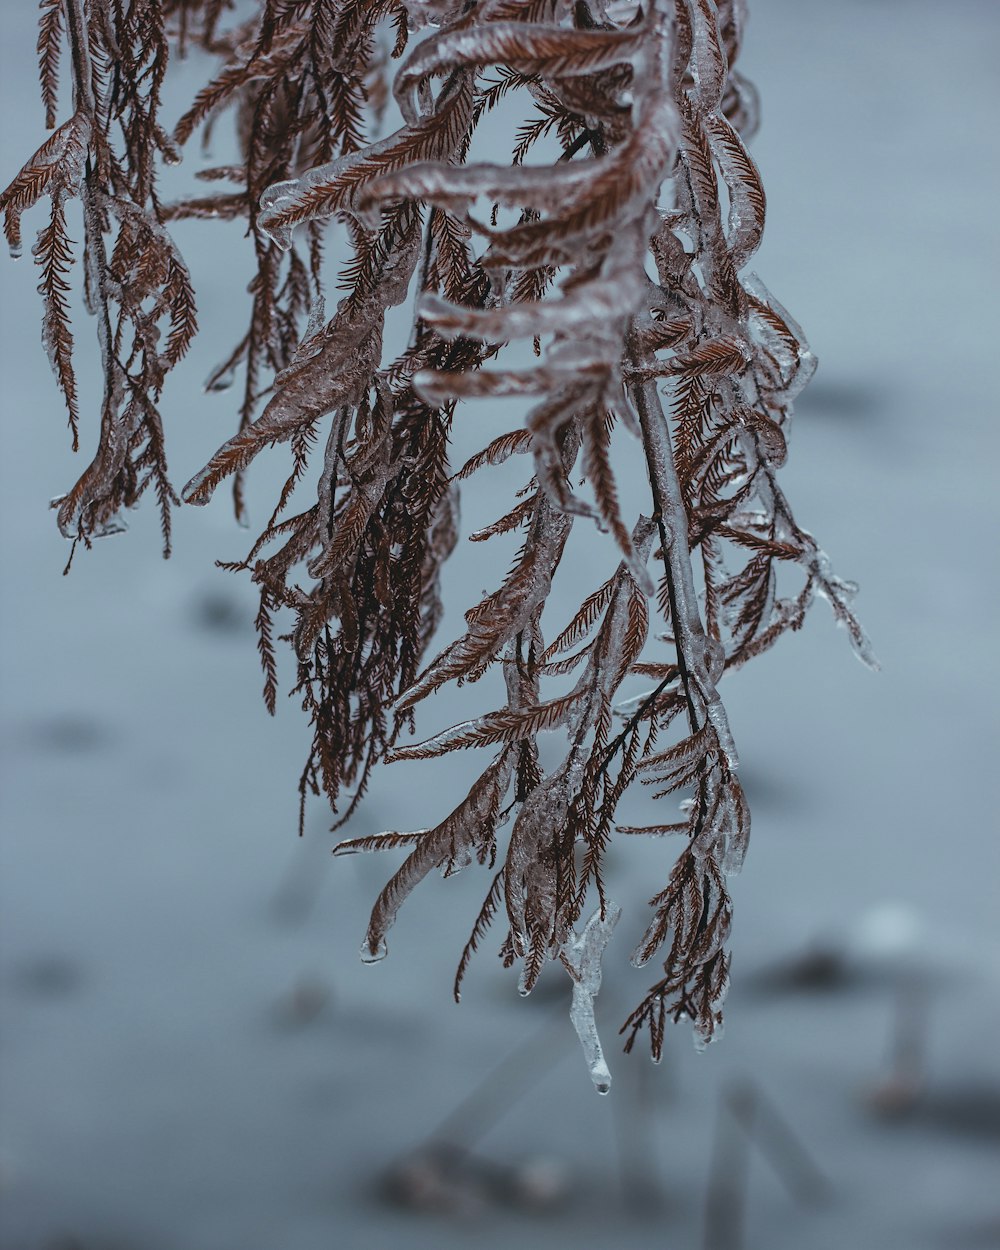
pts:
[374, 954]
[594, 218]
[586, 322]
[526, 46]
[624, 259]
[582, 955]
[335, 186]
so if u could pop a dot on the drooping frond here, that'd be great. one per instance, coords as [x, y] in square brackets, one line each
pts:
[613, 238]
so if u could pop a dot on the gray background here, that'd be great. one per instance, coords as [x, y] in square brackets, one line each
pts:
[191, 1055]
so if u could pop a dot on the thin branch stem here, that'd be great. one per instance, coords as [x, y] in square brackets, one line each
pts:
[671, 519]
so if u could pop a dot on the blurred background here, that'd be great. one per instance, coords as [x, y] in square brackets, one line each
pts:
[192, 1056]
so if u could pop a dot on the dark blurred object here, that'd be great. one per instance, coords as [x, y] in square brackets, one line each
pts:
[881, 948]
[746, 1119]
[68, 733]
[847, 399]
[70, 1241]
[218, 612]
[969, 1109]
[49, 976]
[821, 969]
[977, 1236]
[306, 1002]
[442, 1173]
[901, 1088]
[451, 1180]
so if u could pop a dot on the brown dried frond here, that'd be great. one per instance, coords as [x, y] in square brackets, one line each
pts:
[52, 252]
[642, 109]
[135, 281]
[50, 38]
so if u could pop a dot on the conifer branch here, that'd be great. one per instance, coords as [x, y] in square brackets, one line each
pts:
[649, 120]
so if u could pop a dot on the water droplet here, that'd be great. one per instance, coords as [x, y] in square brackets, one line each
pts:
[370, 956]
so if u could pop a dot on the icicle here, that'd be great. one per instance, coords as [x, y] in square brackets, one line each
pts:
[582, 954]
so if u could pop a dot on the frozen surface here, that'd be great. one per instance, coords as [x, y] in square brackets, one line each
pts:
[191, 1055]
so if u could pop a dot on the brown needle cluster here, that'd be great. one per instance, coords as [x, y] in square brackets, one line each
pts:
[615, 240]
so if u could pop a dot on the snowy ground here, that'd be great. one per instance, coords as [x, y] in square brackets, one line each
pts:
[191, 1055]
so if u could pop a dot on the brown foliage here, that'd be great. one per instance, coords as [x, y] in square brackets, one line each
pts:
[645, 120]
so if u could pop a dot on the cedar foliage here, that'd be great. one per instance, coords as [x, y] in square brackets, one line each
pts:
[622, 258]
